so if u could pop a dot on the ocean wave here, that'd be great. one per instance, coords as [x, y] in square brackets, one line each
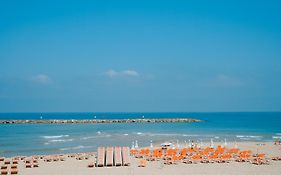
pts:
[55, 137]
[276, 137]
[61, 140]
[247, 136]
[125, 134]
[278, 134]
[75, 148]
[87, 138]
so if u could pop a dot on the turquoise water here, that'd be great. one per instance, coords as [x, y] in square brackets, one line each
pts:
[29, 139]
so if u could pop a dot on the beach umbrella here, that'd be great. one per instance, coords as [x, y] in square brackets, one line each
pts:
[136, 144]
[133, 145]
[178, 145]
[235, 145]
[225, 143]
[212, 144]
[189, 144]
[151, 145]
[201, 144]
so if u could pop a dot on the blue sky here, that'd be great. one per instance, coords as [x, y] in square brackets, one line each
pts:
[113, 56]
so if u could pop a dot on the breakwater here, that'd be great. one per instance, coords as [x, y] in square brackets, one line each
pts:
[142, 120]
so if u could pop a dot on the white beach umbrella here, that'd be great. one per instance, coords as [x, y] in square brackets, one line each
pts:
[197, 144]
[178, 145]
[136, 144]
[201, 144]
[133, 145]
[225, 143]
[212, 144]
[151, 145]
[235, 145]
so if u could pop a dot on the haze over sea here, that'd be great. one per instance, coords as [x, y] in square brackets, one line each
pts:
[29, 139]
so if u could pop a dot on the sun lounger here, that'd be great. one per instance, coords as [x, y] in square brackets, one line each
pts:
[14, 166]
[109, 156]
[117, 156]
[4, 171]
[101, 157]
[14, 171]
[125, 156]
[142, 163]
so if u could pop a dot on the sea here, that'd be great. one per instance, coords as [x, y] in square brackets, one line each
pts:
[42, 139]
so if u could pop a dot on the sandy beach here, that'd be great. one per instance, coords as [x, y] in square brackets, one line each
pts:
[72, 166]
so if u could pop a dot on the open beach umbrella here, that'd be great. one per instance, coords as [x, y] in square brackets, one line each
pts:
[136, 144]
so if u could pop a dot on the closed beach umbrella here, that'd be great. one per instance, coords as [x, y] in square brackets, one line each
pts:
[151, 145]
[225, 143]
[235, 145]
[189, 144]
[136, 144]
[212, 144]
[178, 145]
[133, 145]
[201, 144]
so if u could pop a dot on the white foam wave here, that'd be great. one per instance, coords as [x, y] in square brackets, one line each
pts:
[125, 134]
[276, 137]
[189, 135]
[139, 133]
[75, 148]
[61, 140]
[90, 137]
[246, 136]
[55, 137]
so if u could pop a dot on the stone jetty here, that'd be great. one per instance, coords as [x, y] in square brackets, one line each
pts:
[142, 120]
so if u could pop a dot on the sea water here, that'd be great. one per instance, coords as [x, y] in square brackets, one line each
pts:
[30, 139]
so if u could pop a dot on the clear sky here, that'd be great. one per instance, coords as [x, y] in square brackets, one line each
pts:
[112, 56]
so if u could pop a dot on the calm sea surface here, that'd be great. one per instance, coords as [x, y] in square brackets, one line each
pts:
[29, 139]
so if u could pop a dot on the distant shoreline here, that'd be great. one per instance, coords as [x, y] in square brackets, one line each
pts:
[140, 120]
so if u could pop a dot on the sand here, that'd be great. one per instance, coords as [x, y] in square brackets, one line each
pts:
[71, 166]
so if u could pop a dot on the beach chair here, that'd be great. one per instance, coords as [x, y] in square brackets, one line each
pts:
[109, 156]
[125, 156]
[142, 163]
[5, 171]
[117, 156]
[101, 157]
[14, 171]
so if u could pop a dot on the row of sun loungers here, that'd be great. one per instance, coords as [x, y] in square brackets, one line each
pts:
[110, 156]
[8, 166]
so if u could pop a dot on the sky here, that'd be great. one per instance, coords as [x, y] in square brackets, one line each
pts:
[140, 56]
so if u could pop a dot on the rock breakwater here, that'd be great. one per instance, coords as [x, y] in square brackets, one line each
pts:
[142, 120]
